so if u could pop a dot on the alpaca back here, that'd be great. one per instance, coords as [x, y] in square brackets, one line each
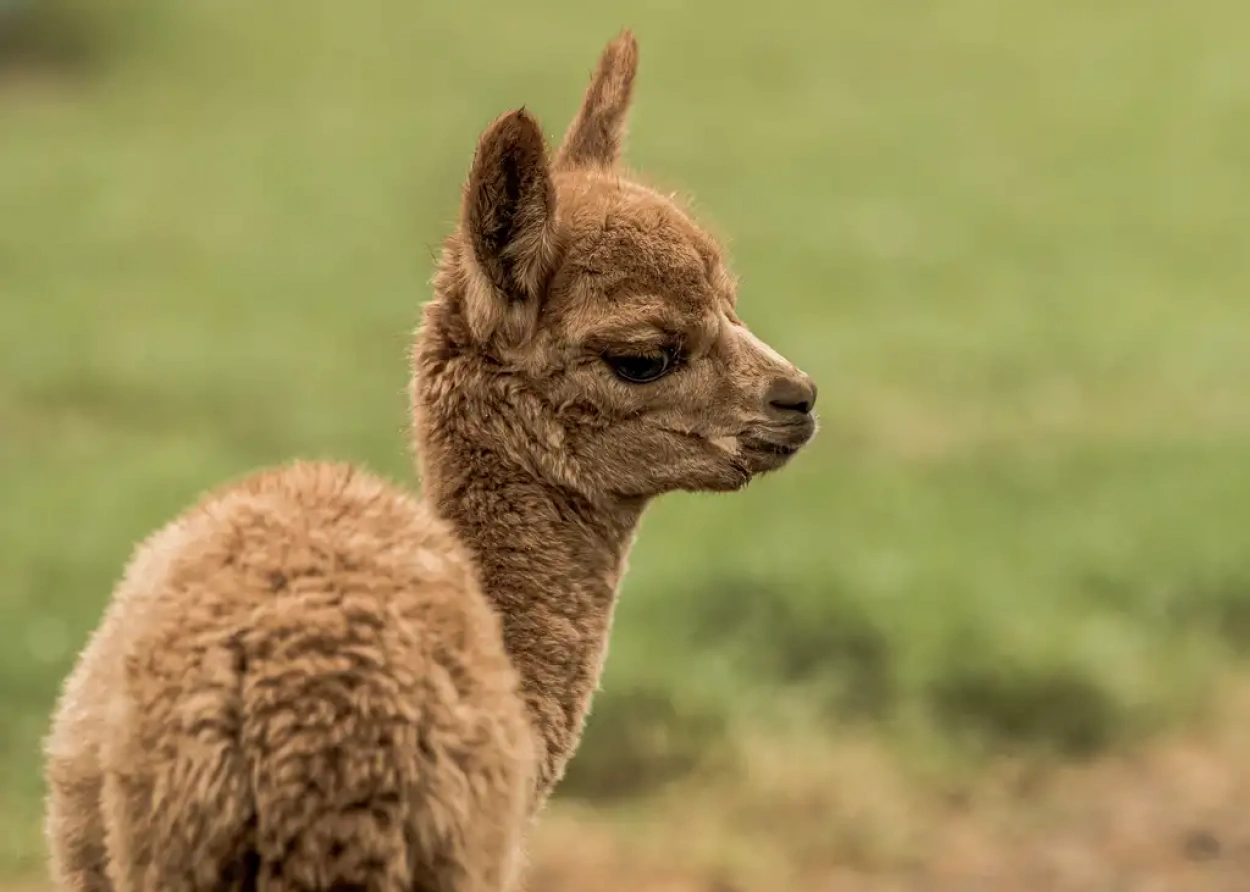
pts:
[298, 685]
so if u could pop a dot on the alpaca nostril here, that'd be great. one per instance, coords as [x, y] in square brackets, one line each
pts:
[792, 394]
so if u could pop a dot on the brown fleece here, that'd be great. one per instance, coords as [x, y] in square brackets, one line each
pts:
[312, 681]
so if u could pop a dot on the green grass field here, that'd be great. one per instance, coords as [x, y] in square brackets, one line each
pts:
[1008, 240]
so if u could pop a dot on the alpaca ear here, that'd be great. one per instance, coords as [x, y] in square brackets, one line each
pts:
[595, 137]
[509, 220]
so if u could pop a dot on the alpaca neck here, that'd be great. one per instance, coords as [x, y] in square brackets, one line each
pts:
[550, 561]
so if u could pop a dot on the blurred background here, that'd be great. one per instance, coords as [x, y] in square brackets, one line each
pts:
[985, 633]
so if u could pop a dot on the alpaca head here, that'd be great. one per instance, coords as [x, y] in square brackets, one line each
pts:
[584, 327]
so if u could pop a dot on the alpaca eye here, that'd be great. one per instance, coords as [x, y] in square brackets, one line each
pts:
[640, 369]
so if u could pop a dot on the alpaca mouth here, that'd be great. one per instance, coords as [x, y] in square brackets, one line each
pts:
[769, 447]
[773, 446]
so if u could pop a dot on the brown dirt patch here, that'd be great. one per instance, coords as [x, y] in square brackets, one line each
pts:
[1171, 817]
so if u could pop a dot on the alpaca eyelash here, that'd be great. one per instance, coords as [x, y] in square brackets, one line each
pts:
[597, 350]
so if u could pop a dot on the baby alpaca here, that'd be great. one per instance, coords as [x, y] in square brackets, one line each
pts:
[314, 681]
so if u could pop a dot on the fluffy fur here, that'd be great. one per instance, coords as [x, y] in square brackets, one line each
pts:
[314, 681]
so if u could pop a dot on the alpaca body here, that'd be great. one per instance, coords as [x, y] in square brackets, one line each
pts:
[298, 685]
[314, 682]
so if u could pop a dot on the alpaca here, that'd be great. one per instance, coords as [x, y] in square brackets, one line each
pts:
[313, 680]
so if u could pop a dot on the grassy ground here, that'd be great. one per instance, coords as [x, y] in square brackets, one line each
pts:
[1007, 240]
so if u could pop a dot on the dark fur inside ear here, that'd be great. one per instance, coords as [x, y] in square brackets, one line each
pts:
[596, 136]
[509, 206]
